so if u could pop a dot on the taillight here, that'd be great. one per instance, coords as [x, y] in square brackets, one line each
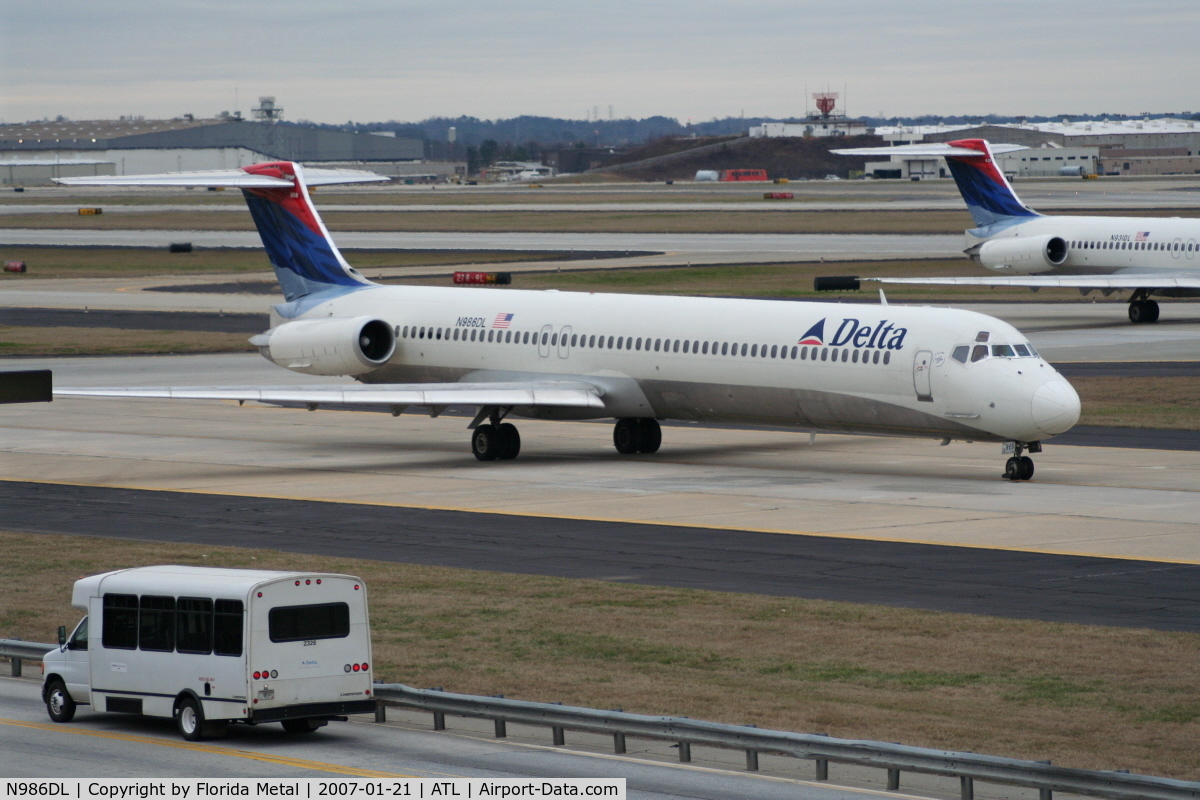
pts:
[364, 667]
[257, 675]
[355, 667]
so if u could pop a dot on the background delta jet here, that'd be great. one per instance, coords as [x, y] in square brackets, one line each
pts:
[1145, 255]
[887, 370]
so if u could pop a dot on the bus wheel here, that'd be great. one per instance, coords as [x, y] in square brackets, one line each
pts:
[59, 704]
[190, 720]
[302, 725]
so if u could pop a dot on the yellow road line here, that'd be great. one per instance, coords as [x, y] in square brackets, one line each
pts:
[664, 524]
[282, 761]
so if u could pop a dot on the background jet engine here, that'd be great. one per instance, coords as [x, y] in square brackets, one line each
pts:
[1023, 255]
[329, 346]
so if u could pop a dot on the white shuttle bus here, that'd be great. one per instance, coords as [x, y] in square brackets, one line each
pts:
[209, 646]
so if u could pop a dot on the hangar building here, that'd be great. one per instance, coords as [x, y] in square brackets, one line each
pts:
[134, 145]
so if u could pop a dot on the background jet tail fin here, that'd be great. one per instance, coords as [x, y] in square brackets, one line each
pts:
[988, 194]
[305, 259]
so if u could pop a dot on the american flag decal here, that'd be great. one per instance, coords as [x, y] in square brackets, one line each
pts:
[502, 320]
[1142, 236]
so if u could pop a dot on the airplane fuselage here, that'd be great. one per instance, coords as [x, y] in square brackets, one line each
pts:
[876, 369]
[1107, 245]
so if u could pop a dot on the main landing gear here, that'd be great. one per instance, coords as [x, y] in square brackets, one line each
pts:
[637, 435]
[1019, 467]
[1142, 308]
[495, 439]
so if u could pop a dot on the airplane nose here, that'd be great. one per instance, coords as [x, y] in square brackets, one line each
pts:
[1055, 407]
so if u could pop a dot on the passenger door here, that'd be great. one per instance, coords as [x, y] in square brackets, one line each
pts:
[544, 341]
[922, 366]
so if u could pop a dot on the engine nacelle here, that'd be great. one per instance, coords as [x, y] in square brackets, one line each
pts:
[329, 346]
[1023, 255]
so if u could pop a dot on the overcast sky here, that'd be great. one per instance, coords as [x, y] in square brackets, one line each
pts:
[375, 60]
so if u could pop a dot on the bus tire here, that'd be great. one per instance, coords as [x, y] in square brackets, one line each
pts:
[189, 719]
[59, 703]
[302, 725]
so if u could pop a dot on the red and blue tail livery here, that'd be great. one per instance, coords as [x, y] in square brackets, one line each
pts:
[305, 259]
[988, 194]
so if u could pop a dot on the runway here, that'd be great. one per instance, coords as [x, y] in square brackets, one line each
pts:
[1006, 583]
[743, 246]
[879, 520]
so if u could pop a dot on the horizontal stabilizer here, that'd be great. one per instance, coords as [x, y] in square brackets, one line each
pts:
[561, 394]
[233, 178]
[930, 149]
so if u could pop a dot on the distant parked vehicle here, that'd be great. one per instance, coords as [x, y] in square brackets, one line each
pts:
[744, 175]
[209, 646]
[707, 175]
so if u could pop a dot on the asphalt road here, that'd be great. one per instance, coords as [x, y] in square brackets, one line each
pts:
[121, 746]
[1061, 588]
[134, 320]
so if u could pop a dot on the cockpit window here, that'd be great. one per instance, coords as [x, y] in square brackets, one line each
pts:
[1003, 351]
[982, 336]
[1021, 349]
[979, 353]
[960, 353]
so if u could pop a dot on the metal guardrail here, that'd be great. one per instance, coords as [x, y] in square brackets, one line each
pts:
[20, 652]
[895, 758]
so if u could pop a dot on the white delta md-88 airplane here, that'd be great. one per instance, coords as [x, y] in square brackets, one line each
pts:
[1143, 255]
[937, 373]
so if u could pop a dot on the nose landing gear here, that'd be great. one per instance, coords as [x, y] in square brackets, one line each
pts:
[1019, 467]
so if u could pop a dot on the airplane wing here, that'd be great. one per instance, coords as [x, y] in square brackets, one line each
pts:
[235, 178]
[930, 149]
[563, 394]
[1131, 280]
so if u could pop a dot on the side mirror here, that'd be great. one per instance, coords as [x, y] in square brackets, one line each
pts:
[62, 634]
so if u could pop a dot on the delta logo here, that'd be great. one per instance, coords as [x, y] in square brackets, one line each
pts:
[883, 336]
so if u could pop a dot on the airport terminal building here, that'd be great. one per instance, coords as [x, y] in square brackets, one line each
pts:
[1161, 146]
[35, 152]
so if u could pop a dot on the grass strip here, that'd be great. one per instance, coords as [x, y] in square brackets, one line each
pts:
[1085, 696]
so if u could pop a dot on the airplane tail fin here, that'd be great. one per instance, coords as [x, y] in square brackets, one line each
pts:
[305, 259]
[988, 194]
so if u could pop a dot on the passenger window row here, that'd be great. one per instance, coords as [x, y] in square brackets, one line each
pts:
[1179, 246]
[694, 347]
[197, 625]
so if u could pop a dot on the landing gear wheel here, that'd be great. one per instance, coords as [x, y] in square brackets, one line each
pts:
[189, 718]
[1143, 311]
[510, 441]
[487, 442]
[1026, 468]
[627, 435]
[59, 704]
[651, 435]
[302, 725]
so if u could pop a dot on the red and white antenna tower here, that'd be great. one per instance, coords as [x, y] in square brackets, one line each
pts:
[825, 102]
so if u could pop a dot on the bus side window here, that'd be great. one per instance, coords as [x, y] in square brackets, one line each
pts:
[157, 623]
[227, 628]
[120, 626]
[193, 625]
